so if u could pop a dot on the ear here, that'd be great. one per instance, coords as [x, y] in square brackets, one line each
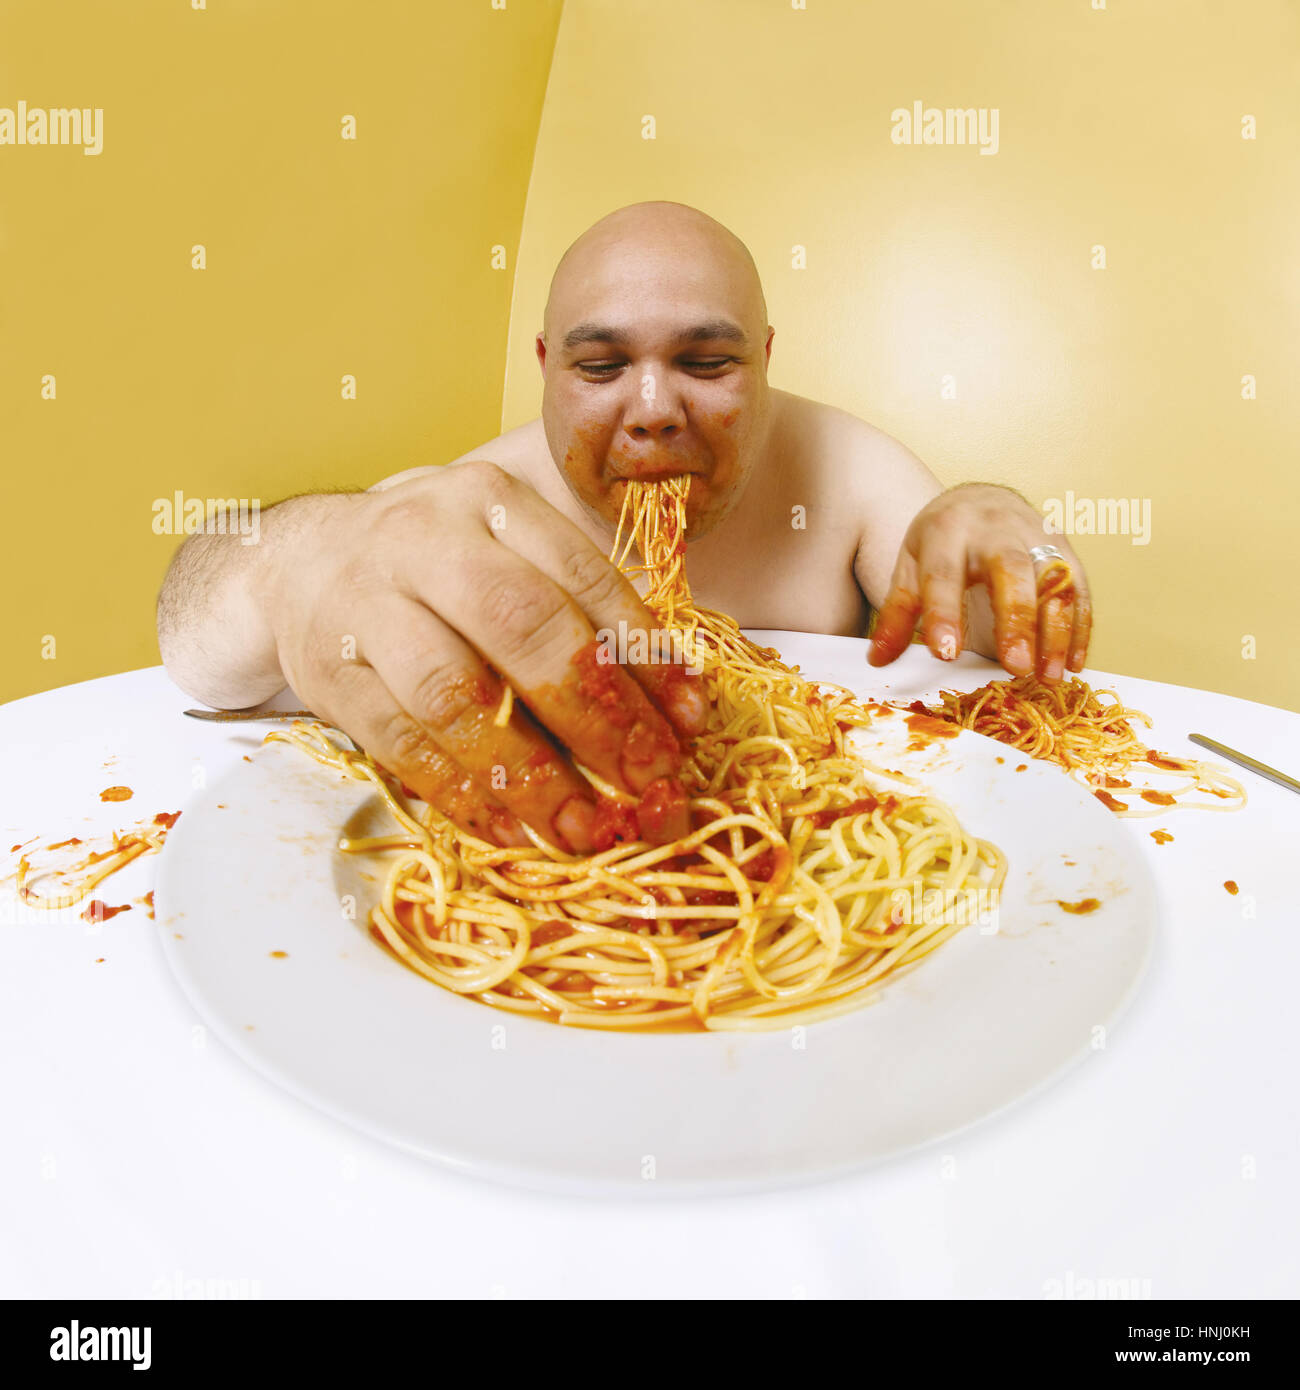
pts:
[767, 347]
[540, 348]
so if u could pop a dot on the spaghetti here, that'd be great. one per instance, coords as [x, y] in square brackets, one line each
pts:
[794, 894]
[1087, 732]
[98, 865]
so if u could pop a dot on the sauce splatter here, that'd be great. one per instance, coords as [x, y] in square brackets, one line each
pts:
[1109, 801]
[279, 955]
[116, 794]
[1159, 798]
[1161, 837]
[1231, 886]
[924, 727]
[100, 912]
[1084, 905]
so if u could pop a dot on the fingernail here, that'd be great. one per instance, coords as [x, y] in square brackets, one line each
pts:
[1018, 658]
[1055, 669]
[506, 829]
[685, 704]
[650, 751]
[576, 821]
[945, 643]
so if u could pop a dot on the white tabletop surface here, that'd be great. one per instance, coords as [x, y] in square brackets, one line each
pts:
[141, 1159]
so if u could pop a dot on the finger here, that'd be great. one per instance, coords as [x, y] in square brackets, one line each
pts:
[1015, 608]
[528, 524]
[1082, 633]
[896, 620]
[1055, 625]
[943, 582]
[677, 688]
[453, 698]
[536, 635]
[360, 705]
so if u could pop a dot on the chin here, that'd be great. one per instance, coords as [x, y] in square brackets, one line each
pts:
[701, 523]
[707, 510]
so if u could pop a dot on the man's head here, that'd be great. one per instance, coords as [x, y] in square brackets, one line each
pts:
[654, 355]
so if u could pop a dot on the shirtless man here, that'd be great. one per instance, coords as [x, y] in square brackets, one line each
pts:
[394, 613]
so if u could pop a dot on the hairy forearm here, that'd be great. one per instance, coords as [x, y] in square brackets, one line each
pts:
[214, 633]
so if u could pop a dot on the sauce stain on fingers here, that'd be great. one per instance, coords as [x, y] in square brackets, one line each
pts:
[663, 813]
[626, 738]
[575, 823]
[680, 694]
[531, 777]
[650, 752]
[507, 830]
[895, 624]
[434, 778]
[1021, 622]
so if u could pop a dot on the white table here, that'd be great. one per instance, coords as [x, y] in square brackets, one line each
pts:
[141, 1159]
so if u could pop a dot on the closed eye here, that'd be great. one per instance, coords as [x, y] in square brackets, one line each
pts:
[604, 371]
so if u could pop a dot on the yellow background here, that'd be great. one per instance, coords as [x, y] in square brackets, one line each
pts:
[1119, 127]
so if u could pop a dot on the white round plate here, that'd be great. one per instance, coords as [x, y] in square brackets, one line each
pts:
[252, 869]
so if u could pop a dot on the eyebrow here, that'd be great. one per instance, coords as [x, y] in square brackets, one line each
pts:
[710, 331]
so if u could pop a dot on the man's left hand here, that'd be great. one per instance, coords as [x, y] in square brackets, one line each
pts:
[974, 535]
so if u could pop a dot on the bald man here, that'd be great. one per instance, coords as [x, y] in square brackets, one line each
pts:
[395, 613]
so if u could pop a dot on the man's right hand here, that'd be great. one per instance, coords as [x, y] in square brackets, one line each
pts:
[396, 616]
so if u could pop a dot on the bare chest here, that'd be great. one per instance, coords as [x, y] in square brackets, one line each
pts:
[782, 576]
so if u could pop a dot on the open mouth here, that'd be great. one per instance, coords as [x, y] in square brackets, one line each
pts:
[618, 490]
[625, 470]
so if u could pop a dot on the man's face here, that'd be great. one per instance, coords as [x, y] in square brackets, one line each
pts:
[655, 364]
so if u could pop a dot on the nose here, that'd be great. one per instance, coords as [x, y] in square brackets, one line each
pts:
[655, 413]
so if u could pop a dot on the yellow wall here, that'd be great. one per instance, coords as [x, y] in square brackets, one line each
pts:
[1120, 127]
[325, 257]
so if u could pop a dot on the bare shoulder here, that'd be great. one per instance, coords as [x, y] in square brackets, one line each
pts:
[876, 483]
[520, 452]
[845, 451]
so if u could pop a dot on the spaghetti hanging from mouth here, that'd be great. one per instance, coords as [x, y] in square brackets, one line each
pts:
[794, 894]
